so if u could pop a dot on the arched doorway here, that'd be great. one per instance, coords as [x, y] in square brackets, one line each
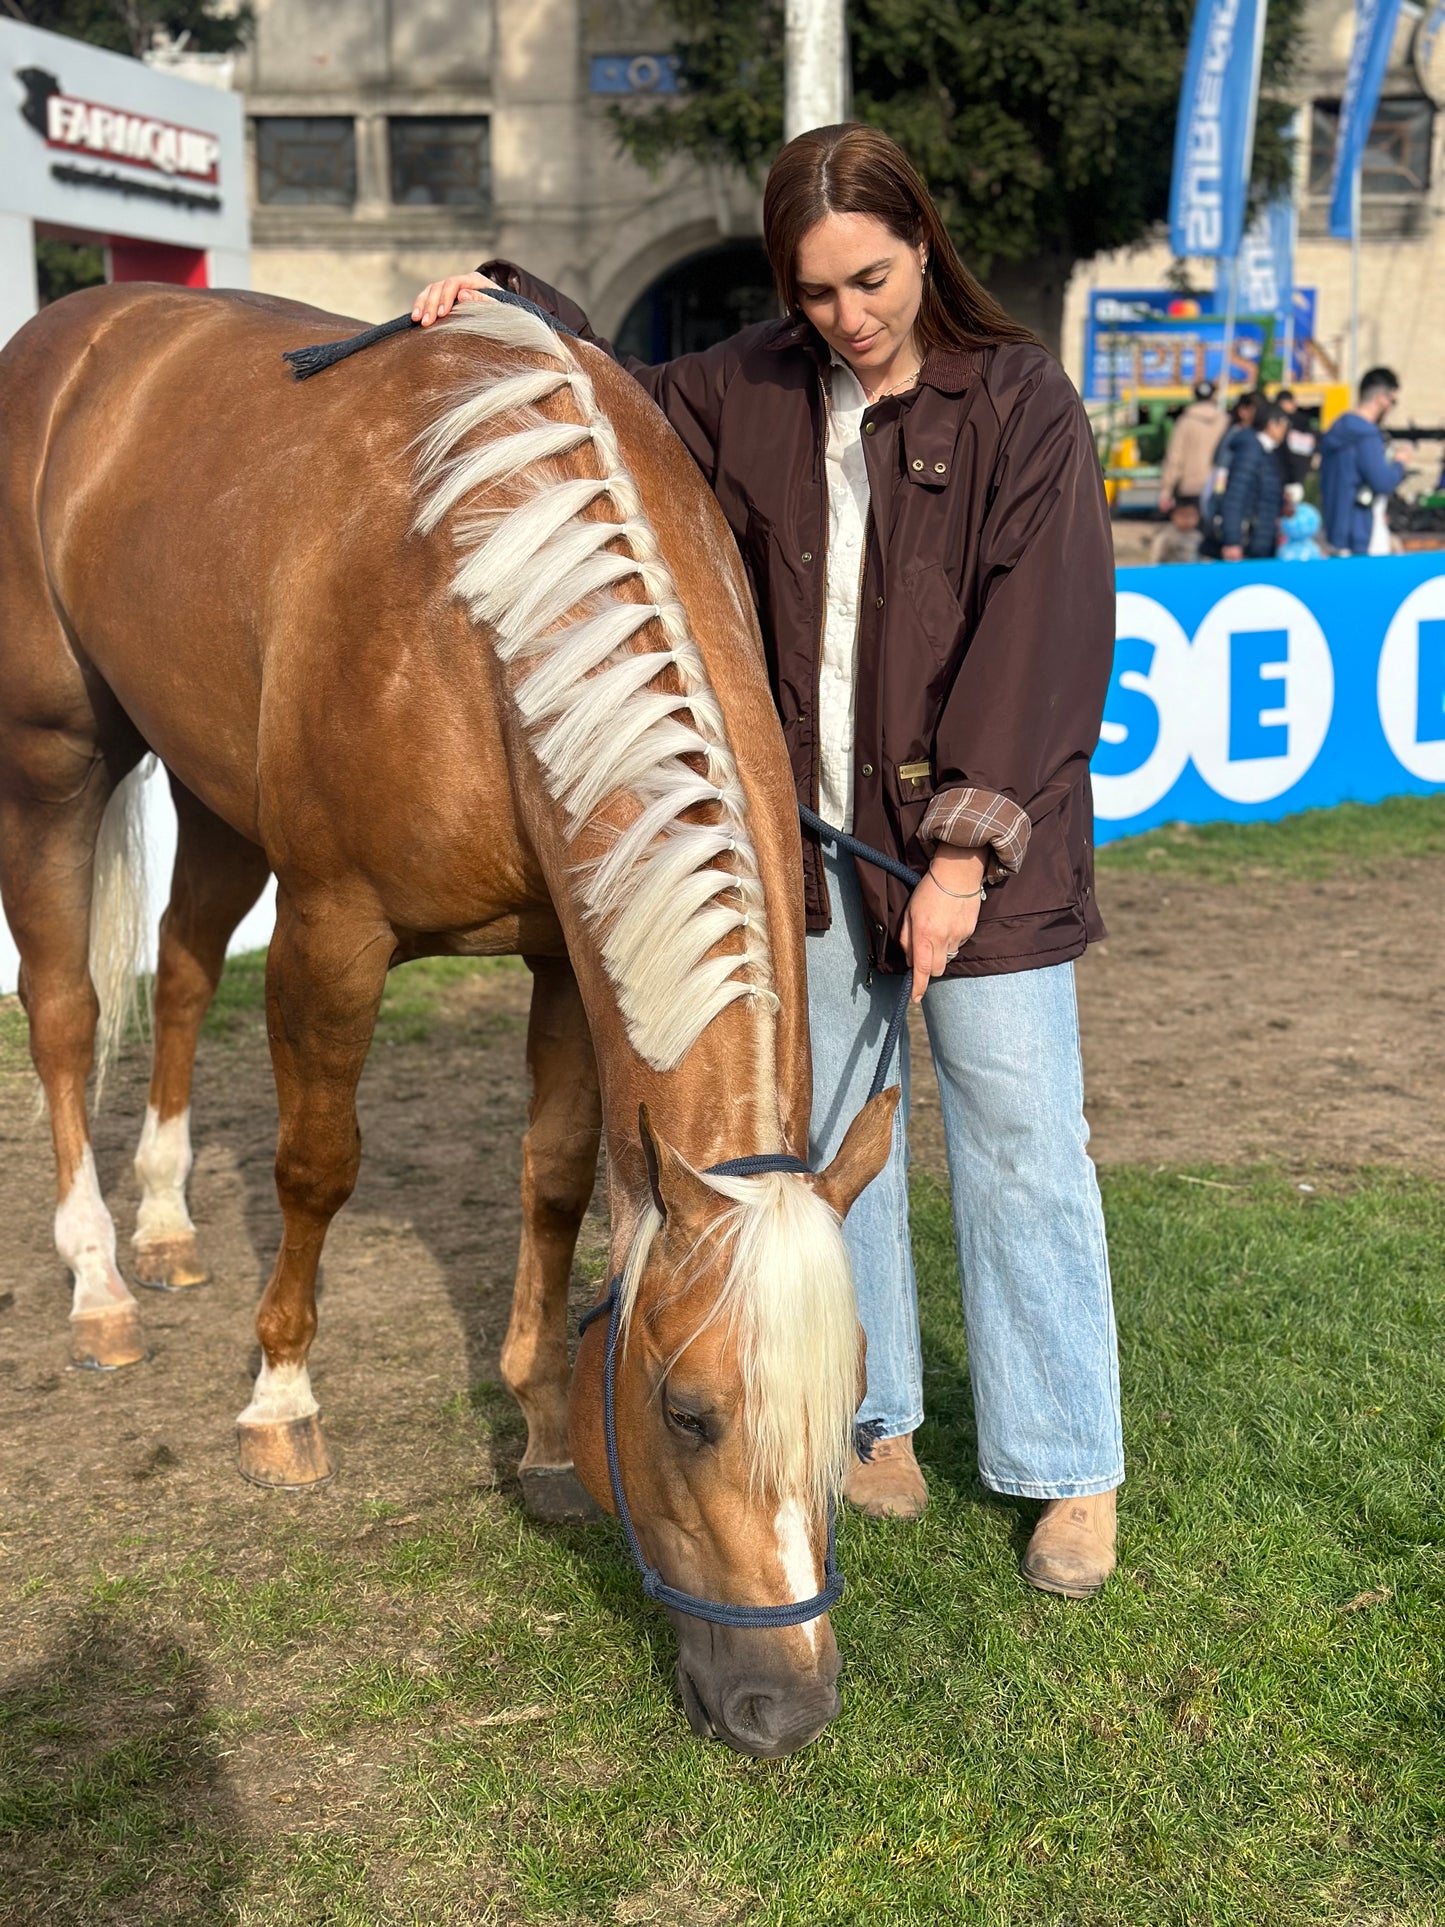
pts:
[701, 301]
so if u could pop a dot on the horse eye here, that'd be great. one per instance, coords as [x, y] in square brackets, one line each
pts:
[688, 1423]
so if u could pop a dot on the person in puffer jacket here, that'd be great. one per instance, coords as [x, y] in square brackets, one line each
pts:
[1249, 517]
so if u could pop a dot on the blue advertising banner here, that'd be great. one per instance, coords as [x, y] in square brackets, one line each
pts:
[1375, 22]
[1248, 691]
[1140, 339]
[1214, 137]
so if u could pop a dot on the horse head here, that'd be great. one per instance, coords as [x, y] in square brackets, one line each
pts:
[738, 1368]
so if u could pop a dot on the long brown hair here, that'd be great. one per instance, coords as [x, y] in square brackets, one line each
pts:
[853, 169]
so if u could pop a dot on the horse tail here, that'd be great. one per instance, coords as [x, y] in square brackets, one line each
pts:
[118, 919]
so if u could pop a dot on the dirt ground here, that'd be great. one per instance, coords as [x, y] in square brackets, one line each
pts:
[1289, 1021]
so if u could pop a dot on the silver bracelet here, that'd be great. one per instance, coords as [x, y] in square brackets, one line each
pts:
[960, 896]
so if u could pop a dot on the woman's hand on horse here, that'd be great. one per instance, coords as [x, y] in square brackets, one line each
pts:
[936, 925]
[440, 297]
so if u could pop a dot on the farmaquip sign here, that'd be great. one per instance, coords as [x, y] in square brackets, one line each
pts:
[93, 145]
[87, 127]
[1248, 691]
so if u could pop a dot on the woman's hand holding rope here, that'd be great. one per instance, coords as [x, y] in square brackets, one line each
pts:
[438, 298]
[942, 913]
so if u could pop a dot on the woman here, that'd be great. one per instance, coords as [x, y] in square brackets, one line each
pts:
[913, 486]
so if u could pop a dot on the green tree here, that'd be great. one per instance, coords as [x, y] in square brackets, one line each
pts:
[130, 26]
[1045, 128]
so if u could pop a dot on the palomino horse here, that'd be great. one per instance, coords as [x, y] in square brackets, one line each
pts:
[455, 641]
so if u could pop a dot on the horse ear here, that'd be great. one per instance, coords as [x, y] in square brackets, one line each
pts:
[677, 1190]
[862, 1154]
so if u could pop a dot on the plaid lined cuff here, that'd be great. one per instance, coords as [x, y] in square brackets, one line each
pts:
[972, 819]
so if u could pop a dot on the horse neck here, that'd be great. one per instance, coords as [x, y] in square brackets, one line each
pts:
[632, 679]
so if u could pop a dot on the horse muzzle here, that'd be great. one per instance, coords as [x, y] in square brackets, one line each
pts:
[766, 1711]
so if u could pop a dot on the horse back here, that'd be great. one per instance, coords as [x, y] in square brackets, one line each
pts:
[231, 552]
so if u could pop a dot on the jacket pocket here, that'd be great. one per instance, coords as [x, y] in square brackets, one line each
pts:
[939, 612]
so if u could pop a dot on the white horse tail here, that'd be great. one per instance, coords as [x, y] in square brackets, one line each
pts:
[118, 918]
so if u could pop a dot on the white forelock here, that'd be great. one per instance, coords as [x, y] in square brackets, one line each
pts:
[786, 1298]
[587, 669]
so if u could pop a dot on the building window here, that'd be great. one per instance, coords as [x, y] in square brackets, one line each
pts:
[1397, 154]
[440, 163]
[311, 161]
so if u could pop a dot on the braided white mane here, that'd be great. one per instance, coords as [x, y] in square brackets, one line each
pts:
[613, 691]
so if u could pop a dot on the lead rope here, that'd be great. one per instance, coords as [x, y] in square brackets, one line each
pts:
[865, 853]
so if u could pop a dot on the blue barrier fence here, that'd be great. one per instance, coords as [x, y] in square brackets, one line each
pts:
[1247, 691]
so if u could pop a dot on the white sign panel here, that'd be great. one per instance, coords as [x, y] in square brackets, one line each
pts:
[94, 141]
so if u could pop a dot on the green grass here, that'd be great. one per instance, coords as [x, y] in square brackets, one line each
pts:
[1244, 1730]
[1367, 839]
[412, 1007]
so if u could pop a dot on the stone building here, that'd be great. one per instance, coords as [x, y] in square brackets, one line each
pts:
[393, 143]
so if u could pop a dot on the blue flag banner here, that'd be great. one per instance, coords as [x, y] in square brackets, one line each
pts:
[1375, 23]
[1214, 138]
[1266, 261]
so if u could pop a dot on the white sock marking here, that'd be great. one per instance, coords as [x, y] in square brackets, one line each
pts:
[282, 1392]
[85, 1239]
[163, 1164]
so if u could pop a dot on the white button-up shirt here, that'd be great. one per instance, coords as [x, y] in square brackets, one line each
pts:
[848, 503]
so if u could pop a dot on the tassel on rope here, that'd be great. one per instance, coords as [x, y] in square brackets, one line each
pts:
[325, 354]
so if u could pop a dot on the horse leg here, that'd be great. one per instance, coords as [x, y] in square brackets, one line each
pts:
[324, 977]
[47, 852]
[559, 1164]
[218, 875]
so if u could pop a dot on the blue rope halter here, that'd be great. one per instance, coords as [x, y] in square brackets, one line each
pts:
[653, 1584]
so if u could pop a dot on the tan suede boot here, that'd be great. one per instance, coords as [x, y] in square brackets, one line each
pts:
[1072, 1548]
[889, 1484]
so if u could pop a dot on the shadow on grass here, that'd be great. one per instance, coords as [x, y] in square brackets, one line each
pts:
[114, 1807]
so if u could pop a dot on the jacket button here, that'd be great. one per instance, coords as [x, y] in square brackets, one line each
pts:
[879, 603]
[867, 769]
[939, 468]
[869, 427]
[918, 464]
[807, 555]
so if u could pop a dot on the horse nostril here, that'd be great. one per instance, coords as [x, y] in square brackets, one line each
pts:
[769, 1724]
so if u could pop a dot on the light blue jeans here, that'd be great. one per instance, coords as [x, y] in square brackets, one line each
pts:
[1032, 1256]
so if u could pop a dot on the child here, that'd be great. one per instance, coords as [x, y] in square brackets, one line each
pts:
[1299, 530]
[1179, 540]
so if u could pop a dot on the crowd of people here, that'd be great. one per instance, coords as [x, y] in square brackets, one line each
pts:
[1233, 485]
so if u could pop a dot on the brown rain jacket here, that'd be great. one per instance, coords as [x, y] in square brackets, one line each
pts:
[986, 619]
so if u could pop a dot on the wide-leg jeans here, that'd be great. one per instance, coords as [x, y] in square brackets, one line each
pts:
[1032, 1257]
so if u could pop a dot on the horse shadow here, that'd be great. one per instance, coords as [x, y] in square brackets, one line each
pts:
[115, 1799]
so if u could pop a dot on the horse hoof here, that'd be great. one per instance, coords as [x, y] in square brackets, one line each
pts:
[555, 1495]
[169, 1264]
[289, 1454]
[107, 1338]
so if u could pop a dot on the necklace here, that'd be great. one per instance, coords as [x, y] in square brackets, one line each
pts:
[893, 388]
